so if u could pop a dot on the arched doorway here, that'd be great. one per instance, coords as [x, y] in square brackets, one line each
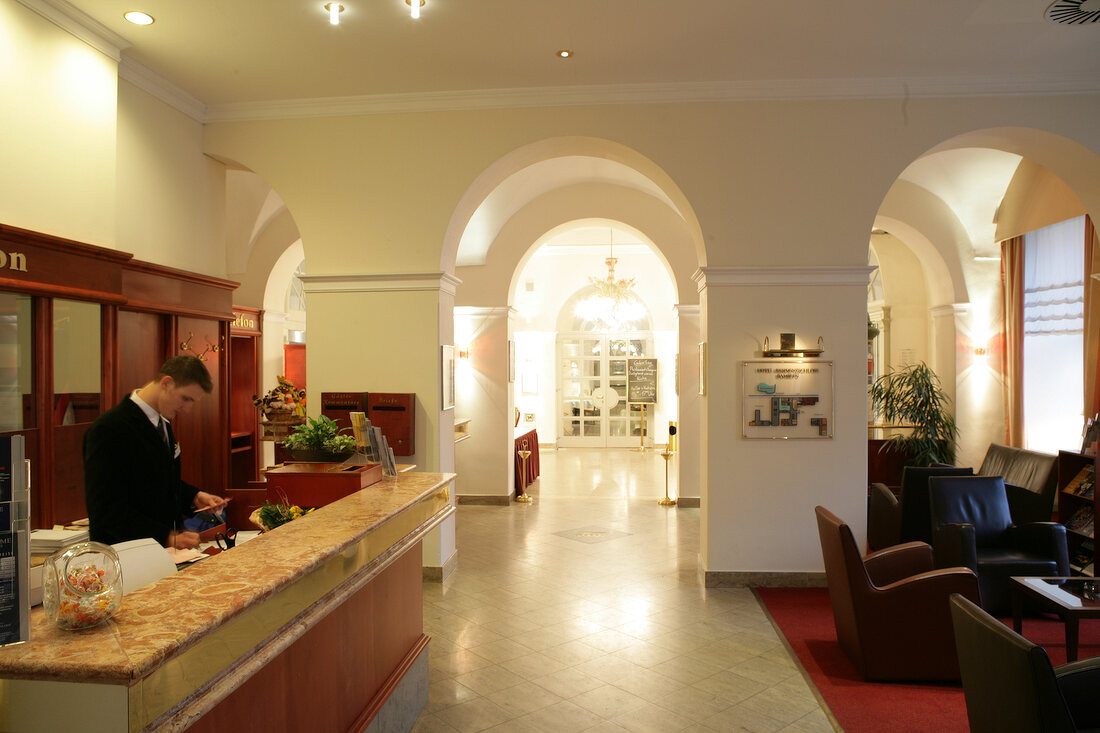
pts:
[574, 339]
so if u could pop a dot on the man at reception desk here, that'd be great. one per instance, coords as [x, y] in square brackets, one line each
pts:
[132, 482]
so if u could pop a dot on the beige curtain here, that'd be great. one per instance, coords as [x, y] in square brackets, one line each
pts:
[1012, 355]
[1092, 320]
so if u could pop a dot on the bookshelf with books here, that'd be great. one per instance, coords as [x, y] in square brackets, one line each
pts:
[1077, 508]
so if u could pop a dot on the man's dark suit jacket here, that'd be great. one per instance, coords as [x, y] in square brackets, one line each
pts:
[132, 479]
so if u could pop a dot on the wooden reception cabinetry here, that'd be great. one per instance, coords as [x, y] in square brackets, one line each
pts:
[145, 313]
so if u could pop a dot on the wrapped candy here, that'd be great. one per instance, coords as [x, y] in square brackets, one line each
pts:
[82, 585]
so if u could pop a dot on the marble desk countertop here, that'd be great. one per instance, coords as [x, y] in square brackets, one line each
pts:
[165, 619]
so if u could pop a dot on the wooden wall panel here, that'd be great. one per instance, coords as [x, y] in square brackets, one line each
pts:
[203, 433]
[68, 473]
[141, 350]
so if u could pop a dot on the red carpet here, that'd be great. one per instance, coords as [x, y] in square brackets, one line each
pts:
[806, 620]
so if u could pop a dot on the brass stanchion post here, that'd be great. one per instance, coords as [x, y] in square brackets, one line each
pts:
[666, 454]
[521, 495]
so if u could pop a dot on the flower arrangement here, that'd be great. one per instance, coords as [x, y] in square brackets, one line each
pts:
[283, 400]
[319, 434]
[270, 516]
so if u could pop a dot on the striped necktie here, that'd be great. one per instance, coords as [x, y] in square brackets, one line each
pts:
[163, 427]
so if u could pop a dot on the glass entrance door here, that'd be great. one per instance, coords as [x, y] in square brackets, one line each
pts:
[592, 389]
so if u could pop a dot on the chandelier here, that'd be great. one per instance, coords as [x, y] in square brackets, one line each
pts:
[613, 306]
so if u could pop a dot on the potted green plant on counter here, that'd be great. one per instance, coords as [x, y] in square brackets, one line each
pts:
[319, 439]
[913, 397]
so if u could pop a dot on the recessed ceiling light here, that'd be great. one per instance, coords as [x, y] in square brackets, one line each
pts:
[138, 18]
[565, 53]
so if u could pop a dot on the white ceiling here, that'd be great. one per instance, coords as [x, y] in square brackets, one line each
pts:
[251, 51]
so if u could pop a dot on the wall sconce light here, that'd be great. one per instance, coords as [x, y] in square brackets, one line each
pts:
[414, 7]
[334, 10]
[463, 352]
[979, 351]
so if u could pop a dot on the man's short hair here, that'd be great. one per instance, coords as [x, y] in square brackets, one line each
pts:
[185, 370]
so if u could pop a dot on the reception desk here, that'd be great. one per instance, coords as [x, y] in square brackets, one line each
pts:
[316, 625]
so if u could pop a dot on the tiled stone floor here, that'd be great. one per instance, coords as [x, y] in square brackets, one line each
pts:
[585, 611]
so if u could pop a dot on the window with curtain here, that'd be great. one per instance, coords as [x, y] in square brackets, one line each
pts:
[1054, 323]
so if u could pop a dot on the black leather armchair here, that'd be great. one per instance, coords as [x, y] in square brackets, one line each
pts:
[972, 527]
[892, 520]
[1031, 480]
[891, 608]
[1010, 684]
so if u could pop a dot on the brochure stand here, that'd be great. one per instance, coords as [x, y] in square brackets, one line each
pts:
[15, 512]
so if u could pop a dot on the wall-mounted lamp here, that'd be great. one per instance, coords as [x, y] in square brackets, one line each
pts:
[334, 10]
[414, 7]
[463, 352]
[979, 351]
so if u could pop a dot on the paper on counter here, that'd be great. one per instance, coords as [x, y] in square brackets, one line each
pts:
[181, 556]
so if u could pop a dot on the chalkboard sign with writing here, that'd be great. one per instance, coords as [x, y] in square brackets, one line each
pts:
[641, 381]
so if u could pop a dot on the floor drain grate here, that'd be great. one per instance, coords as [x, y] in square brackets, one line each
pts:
[592, 535]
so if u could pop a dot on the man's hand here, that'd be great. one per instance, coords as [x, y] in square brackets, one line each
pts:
[183, 540]
[209, 503]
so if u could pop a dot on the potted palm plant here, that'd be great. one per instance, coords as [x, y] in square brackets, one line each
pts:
[913, 397]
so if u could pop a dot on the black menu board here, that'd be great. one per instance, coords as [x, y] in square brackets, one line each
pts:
[641, 381]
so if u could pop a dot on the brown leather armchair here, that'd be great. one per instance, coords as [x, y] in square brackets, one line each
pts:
[1010, 684]
[891, 612]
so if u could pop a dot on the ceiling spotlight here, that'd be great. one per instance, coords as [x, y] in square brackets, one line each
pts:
[414, 7]
[565, 53]
[138, 18]
[334, 10]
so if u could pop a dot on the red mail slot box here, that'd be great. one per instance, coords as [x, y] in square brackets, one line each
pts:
[317, 484]
[395, 414]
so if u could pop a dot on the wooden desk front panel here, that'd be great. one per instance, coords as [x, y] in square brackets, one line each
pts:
[338, 674]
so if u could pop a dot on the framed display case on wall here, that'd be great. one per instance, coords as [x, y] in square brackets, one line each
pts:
[784, 399]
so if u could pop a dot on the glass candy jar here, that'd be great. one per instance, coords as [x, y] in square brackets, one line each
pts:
[82, 585]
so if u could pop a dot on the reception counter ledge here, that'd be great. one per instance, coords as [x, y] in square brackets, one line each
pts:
[316, 625]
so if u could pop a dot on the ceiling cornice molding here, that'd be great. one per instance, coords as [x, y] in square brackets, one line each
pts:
[152, 83]
[384, 282]
[79, 25]
[664, 93]
[486, 311]
[802, 276]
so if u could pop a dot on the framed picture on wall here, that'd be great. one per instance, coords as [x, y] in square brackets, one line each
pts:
[447, 374]
[787, 398]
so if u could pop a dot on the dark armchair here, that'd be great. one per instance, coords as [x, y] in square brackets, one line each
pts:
[1031, 480]
[973, 528]
[908, 518]
[1010, 684]
[892, 617]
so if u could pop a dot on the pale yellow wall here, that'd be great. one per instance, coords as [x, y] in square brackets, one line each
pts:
[906, 294]
[764, 184]
[171, 198]
[770, 184]
[57, 130]
[484, 460]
